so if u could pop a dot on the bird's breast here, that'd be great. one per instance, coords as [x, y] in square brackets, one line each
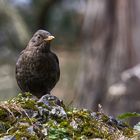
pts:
[35, 63]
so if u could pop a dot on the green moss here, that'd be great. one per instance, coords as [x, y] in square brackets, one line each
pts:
[27, 117]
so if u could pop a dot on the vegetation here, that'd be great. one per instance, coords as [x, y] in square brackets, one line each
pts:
[26, 117]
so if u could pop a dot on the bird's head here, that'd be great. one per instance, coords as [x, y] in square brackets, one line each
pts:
[41, 36]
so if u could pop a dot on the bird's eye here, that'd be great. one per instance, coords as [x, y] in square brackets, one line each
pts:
[38, 37]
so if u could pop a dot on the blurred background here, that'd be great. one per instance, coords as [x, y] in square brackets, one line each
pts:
[97, 42]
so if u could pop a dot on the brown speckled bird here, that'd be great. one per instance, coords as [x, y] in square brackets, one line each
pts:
[37, 68]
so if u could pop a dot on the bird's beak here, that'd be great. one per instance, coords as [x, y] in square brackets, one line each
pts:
[49, 38]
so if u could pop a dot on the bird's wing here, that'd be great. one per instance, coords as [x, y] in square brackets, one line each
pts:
[55, 57]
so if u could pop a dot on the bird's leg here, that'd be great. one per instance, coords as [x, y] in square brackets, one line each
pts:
[43, 94]
[48, 92]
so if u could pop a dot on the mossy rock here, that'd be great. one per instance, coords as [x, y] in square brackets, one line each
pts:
[27, 118]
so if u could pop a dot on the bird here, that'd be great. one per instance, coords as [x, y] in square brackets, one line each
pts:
[37, 68]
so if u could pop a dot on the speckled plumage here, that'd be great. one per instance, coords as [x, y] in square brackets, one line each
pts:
[37, 68]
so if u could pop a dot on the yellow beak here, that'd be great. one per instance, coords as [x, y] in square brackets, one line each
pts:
[49, 38]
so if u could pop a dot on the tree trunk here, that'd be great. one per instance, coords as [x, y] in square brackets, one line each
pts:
[107, 49]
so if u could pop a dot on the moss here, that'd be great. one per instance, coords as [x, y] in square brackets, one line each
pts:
[26, 117]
